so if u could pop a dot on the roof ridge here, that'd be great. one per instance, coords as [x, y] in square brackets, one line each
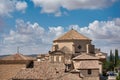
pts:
[85, 56]
[72, 35]
[16, 56]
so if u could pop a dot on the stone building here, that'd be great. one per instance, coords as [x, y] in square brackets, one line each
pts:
[78, 54]
[11, 64]
[72, 57]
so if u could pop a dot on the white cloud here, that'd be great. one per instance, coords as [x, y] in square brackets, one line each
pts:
[54, 6]
[21, 6]
[32, 38]
[105, 34]
[86, 4]
[56, 30]
[9, 6]
[6, 7]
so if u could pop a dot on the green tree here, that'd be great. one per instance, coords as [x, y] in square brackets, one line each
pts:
[105, 67]
[116, 57]
[111, 61]
[118, 77]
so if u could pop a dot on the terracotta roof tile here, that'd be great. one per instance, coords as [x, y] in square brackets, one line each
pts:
[72, 35]
[86, 64]
[9, 70]
[85, 56]
[45, 70]
[17, 57]
[93, 64]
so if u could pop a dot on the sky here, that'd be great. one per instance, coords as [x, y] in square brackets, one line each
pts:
[32, 25]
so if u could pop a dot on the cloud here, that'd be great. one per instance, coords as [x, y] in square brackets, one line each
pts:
[31, 38]
[21, 6]
[6, 7]
[86, 4]
[54, 6]
[9, 6]
[56, 30]
[105, 34]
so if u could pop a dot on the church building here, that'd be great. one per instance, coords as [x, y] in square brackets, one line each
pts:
[78, 54]
[72, 57]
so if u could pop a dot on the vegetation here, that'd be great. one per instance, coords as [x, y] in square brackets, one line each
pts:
[118, 77]
[112, 62]
[116, 58]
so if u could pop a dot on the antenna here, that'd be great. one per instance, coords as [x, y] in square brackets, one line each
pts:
[18, 49]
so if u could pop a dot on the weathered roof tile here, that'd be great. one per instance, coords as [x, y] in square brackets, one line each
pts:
[72, 35]
[86, 57]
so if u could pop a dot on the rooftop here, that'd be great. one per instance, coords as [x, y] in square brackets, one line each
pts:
[85, 56]
[93, 64]
[72, 35]
[45, 70]
[17, 56]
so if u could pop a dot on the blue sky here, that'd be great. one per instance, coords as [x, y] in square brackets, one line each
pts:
[33, 24]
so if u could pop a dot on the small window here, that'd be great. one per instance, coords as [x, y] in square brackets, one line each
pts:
[54, 58]
[79, 47]
[60, 58]
[89, 71]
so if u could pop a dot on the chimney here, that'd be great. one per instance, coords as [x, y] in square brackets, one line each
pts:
[90, 48]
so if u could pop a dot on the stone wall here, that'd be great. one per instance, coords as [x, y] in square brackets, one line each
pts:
[94, 73]
[57, 58]
[80, 46]
[91, 78]
[68, 44]
[76, 46]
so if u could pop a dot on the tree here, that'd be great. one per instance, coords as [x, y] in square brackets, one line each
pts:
[105, 67]
[116, 57]
[111, 60]
[118, 77]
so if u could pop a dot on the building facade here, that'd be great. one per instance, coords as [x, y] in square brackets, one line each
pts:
[72, 57]
[78, 54]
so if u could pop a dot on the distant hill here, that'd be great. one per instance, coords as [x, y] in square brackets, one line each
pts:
[3, 56]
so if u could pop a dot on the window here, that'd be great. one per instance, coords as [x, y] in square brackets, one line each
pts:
[59, 58]
[69, 66]
[89, 71]
[79, 47]
[54, 58]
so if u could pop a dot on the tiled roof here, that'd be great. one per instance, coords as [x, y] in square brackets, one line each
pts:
[45, 70]
[17, 56]
[93, 64]
[72, 35]
[86, 64]
[29, 74]
[7, 71]
[85, 56]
